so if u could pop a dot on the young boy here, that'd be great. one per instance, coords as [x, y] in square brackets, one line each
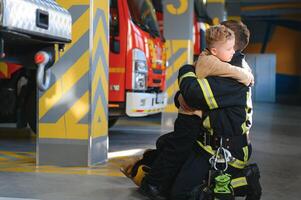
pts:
[213, 61]
[176, 146]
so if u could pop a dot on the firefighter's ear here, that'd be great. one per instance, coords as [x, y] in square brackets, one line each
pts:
[213, 51]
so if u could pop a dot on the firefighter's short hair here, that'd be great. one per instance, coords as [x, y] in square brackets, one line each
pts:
[241, 31]
[218, 34]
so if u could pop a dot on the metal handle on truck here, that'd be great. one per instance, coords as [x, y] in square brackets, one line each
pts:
[43, 74]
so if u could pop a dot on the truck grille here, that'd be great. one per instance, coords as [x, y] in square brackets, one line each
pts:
[157, 71]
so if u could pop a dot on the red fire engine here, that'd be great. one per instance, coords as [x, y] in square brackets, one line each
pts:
[137, 60]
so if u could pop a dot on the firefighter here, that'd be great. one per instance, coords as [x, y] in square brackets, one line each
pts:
[226, 122]
[187, 125]
[224, 93]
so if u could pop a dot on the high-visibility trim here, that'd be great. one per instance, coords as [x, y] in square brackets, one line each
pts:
[207, 125]
[246, 127]
[208, 94]
[246, 153]
[188, 74]
[238, 182]
[236, 163]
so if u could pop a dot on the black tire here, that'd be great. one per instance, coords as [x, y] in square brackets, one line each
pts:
[112, 121]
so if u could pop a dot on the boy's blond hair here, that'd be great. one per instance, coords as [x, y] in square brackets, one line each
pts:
[218, 34]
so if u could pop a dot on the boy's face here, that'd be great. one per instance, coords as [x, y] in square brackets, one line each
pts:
[224, 50]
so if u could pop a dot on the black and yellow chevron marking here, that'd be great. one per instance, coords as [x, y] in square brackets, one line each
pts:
[100, 70]
[179, 52]
[64, 107]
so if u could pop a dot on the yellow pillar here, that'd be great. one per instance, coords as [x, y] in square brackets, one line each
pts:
[216, 11]
[72, 116]
[178, 32]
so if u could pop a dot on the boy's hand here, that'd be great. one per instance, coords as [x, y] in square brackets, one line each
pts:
[184, 105]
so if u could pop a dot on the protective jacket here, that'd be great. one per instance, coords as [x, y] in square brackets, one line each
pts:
[227, 111]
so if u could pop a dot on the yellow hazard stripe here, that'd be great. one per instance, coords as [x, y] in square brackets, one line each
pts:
[238, 182]
[69, 4]
[211, 102]
[236, 163]
[188, 74]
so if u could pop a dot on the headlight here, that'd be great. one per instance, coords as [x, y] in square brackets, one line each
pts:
[140, 70]
[140, 66]
[140, 81]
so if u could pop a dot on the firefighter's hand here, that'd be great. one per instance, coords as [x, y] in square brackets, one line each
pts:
[184, 105]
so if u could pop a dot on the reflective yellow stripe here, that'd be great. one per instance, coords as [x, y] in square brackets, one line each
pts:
[208, 93]
[238, 182]
[117, 70]
[246, 153]
[207, 126]
[236, 163]
[188, 74]
[245, 127]
[211, 96]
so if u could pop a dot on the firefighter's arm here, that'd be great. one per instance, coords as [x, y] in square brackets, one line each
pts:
[190, 88]
[210, 65]
[209, 93]
[180, 103]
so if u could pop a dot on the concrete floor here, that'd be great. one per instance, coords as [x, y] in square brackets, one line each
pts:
[276, 138]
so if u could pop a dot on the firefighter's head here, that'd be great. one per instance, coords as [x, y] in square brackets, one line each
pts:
[220, 41]
[241, 31]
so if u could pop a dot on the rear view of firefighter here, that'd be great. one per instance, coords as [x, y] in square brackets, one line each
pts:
[218, 168]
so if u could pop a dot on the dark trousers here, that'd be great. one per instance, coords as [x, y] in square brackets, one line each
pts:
[195, 172]
[173, 150]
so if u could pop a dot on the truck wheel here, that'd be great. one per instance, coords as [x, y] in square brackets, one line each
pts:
[112, 121]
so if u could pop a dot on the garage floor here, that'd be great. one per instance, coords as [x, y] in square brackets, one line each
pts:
[276, 137]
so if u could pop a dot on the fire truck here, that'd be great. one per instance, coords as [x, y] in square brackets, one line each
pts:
[30, 34]
[137, 60]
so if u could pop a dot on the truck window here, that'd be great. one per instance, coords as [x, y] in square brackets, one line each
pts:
[143, 14]
[114, 20]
